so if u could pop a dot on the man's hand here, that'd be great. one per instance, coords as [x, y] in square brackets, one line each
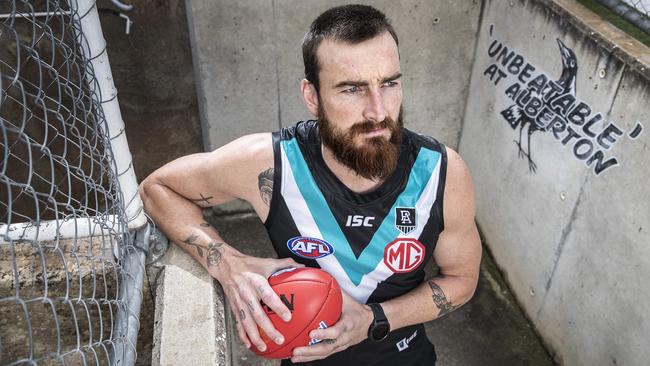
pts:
[245, 283]
[351, 329]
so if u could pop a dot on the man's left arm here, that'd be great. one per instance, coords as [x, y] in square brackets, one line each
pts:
[457, 254]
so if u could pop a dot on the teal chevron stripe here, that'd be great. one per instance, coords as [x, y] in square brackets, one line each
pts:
[425, 163]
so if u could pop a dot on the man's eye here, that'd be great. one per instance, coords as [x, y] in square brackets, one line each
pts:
[390, 83]
[352, 89]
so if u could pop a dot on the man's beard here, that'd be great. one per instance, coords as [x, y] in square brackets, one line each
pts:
[376, 158]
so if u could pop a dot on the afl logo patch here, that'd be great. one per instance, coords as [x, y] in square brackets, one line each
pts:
[310, 248]
[404, 255]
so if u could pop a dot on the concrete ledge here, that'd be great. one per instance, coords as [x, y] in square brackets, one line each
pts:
[190, 325]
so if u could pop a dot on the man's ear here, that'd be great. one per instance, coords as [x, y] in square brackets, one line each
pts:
[310, 96]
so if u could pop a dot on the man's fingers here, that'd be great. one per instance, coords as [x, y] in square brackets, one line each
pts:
[327, 333]
[238, 322]
[337, 331]
[259, 316]
[241, 332]
[314, 352]
[270, 298]
[334, 339]
[305, 359]
[250, 327]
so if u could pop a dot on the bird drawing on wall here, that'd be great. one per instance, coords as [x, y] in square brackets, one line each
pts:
[518, 119]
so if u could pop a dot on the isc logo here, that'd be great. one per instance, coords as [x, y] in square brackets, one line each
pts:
[310, 248]
[358, 220]
[403, 255]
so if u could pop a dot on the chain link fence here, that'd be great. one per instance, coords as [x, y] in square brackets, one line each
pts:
[637, 12]
[72, 231]
[642, 6]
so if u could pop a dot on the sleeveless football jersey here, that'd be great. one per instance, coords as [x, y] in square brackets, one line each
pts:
[375, 244]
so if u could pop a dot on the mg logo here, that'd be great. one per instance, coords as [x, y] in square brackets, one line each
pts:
[404, 255]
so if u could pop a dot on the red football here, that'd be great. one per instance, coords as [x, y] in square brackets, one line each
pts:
[314, 299]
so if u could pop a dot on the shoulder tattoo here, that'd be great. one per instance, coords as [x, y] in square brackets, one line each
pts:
[265, 184]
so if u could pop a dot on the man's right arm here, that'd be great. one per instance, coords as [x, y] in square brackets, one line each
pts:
[174, 197]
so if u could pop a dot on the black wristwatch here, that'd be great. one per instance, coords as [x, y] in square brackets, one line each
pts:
[379, 328]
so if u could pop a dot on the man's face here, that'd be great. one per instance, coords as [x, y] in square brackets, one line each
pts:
[360, 100]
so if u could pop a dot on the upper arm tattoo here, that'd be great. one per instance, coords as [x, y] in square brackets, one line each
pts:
[203, 199]
[440, 299]
[265, 183]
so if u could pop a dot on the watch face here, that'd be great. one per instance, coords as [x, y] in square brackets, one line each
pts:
[380, 331]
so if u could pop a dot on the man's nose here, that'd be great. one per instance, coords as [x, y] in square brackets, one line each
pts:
[375, 110]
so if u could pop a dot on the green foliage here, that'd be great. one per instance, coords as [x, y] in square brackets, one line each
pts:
[617, 21]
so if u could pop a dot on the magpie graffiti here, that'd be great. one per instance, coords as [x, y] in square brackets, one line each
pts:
[543, 103]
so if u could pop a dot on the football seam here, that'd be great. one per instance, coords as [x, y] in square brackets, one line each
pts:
[329, 294]
[302, 280]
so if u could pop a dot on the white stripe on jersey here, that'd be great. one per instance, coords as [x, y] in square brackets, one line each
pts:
[307, 227]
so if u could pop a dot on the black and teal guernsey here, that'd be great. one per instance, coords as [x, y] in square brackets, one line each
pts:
[375, 244]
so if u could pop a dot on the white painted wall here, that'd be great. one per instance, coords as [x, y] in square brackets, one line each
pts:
[573, 244]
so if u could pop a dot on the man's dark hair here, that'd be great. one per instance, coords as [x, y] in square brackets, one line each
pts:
[349, 23]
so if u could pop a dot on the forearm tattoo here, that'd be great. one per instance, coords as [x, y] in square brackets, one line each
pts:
[214, 249]
[215, 252]
[265, 183]
[191, 240]
[440, 299]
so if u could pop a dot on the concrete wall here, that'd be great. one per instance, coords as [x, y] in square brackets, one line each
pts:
[248, 63]
[152, 68]
[571, 236]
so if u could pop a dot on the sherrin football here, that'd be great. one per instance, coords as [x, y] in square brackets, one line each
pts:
[314, 299]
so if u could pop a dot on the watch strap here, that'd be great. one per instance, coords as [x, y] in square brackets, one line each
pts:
[377, 312]
[379, 320]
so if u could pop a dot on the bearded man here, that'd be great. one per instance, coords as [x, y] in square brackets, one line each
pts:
[355, 179]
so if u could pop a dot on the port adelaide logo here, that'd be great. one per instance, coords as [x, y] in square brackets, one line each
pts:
[309, 248]
[405, 220]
